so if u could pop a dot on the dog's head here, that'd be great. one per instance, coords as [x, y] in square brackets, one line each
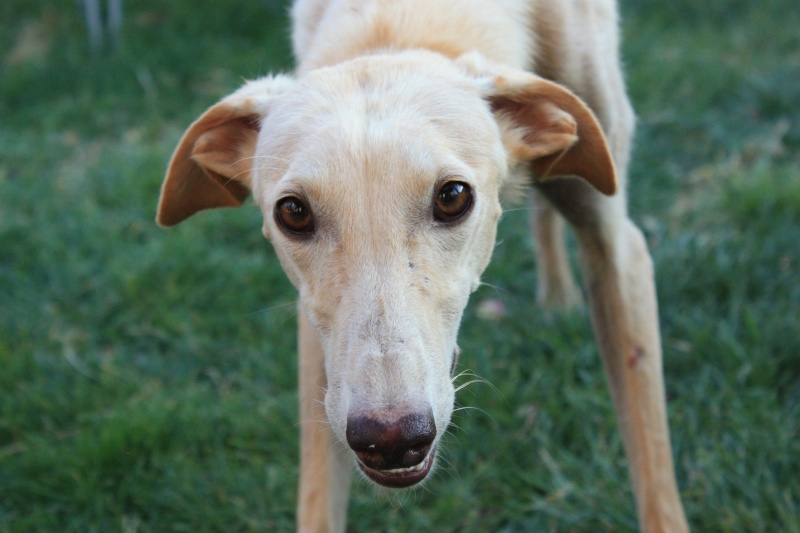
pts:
[379, 180]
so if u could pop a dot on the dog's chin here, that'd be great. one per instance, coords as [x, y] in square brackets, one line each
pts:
[400, 478]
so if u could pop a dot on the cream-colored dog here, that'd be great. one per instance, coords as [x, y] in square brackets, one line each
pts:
[380, 168]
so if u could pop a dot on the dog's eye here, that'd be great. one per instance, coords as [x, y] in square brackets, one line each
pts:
[294, 216]
[453, 200]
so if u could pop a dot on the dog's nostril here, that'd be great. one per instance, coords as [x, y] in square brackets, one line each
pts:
[416, 455]
[402, 443]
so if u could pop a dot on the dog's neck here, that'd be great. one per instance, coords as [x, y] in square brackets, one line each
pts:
[346, 29]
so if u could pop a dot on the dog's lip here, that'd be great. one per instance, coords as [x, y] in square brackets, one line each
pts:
[399, 478]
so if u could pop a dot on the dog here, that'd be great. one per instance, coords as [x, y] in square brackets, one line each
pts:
[380, 166]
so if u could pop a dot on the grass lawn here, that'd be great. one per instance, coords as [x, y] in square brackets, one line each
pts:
[147, 377]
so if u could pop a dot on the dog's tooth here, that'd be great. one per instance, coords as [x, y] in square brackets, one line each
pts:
[404, 470]
[415, 468]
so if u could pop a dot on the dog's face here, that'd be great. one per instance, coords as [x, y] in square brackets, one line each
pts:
[379, 180]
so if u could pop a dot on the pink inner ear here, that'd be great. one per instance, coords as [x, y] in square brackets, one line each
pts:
[227, 150]
[549, 130]
[543, 115]
[560, 135]
[553, 131]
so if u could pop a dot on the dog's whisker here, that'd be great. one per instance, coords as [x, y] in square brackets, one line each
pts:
[293, 303]
[472, 408]
[249, 170]
[256, 157]
[466, 372]
[513, 209]
[453, 425]
[478, 379]
[306, 421]
[493, 287]
[253, 157]
[265, 167]
[468, 383]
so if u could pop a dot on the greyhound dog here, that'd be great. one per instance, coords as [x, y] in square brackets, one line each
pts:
[380, 167]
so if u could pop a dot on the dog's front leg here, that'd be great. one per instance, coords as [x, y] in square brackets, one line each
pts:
[620, 283]
[324, 464]
[619, 276]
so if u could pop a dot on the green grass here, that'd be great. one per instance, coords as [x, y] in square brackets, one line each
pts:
[147, 377]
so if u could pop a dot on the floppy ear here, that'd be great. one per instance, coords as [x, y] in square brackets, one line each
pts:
[212, 163]
[546, 124]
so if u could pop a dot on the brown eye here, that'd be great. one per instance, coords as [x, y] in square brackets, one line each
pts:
[294, 216]
[453, 200]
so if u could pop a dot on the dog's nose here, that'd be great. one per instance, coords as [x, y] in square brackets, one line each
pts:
[381, 445]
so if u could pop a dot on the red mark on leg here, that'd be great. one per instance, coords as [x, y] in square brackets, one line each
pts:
[636, 355]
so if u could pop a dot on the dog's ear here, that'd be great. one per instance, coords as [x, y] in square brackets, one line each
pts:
[212, 163]
[546, 124]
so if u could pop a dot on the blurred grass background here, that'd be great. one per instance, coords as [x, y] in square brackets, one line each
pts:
[147, 377]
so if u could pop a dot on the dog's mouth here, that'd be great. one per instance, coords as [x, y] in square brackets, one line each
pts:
[398, 478]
